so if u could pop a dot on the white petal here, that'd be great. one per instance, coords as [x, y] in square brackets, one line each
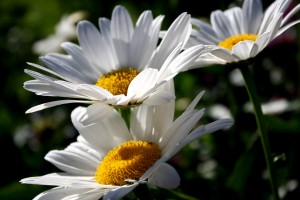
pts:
[103, 134]
[274, 25]
[269, 14]
[82, 63]
[142, 83]
[223, 54]
[121, 24]
[179, 131]
[287, 27]
[67, 67]
[159, 97]
[220, 23]
[90, 41]
[44, 69]
[186, 58]
[165, 71]
[62, 179]
[52, 89]
[165, 176]
[178, 32]
[244, 50]
[107, 44]
[64, 193]
[93, 92]
[95, 112]
[73, 162]
[204, 32]
[291, 14]
[194, 102]
[235, 17]
[142, 46]
[52, 104]
[206, 129]
[252, 15]
[206, 60]
[151, 122]
[84, 149]
[262, 41]
[141, 122]
[120, 192]
[121, 31]
[153, 40]
[48, 86]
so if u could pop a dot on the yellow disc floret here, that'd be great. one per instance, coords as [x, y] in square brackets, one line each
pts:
[130, 160]
[117, 82]
[228, 43]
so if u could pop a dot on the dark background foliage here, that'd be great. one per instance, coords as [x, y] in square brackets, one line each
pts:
[226, 164]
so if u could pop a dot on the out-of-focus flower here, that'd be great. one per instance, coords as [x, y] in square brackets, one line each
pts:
[276, 106]
[109, 160]
[121, 67]
[219, 111]
[236, 78]
[290, 186]
[65, 30]
[238, 34]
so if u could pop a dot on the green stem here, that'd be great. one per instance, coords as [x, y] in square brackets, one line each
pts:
[251, 89]
[125, 113]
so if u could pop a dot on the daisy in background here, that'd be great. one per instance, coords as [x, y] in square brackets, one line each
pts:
[235, 36]
[64, 30]
[120, 66]
[109, 160]
[238, 34]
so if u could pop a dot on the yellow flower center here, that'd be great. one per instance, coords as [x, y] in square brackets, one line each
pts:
[130, 160]
[117, 82]
[228, 43]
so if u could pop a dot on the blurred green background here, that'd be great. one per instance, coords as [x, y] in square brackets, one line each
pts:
[227, 164]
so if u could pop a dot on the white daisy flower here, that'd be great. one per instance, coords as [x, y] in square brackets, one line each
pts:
[109, 160]
[64, 30]
[121, 65]
[238, 34]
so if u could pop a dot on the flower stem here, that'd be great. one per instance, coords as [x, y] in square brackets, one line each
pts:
[125, 113]
[251, 89]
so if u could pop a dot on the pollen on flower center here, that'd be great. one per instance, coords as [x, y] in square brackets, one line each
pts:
[130, 160]
[228, 43]
[117, 82]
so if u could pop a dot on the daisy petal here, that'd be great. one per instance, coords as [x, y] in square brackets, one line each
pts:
[243, 50]
[178, 32]
[83, 64]
[68, 194]
[220, 23]
[61, 179]
[165, 176]
[52, 104]
[223, 54]
[90, 41]
[159, 98]
[95, 112]
[139, 48]
[252, 15]
[186, 58]
[194, 102]
[205, 129]
[146, 78]
[72, 162]
[116, 194]
[102, 127]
